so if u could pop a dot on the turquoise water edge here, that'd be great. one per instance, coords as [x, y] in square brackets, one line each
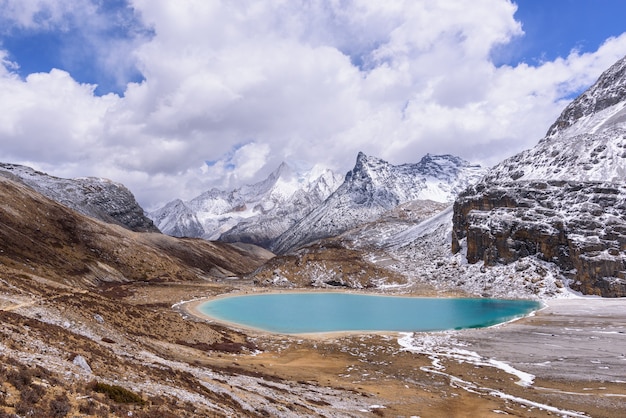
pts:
[300, 313]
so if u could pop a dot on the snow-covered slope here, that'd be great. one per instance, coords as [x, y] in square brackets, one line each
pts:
[586, 143]
[255, 213]
[374, 187]
[96, 197]
[598, 107]
[178, 220]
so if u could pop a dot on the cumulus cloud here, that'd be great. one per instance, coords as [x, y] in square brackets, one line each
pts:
[245, 85]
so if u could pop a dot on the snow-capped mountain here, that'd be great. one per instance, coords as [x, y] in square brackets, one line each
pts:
[564, 201]
[255, 213]
[374, 187]
[95, 197]
[586, 143]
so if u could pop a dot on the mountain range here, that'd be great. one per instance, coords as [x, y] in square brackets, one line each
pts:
[290, 209]
[256, 213]
[374, 187]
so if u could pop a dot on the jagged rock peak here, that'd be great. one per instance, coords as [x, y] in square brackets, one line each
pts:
[375, 186]
[609, 90]
[429, 165]
[366, 167]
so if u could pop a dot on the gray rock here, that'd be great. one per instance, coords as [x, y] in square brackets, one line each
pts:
[82, 363]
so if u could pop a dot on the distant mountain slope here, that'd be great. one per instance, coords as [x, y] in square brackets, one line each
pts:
[96, 197]
[563, 201]
[41, 237]
[374, 187]
[255, 213]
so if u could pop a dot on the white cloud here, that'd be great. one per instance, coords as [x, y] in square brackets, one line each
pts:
[41, 14]
[314, 81]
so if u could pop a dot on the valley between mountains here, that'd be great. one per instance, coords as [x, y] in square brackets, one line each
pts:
[98, 298]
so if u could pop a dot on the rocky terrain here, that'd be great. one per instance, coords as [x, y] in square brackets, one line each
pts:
[563, 200]
[92, 325]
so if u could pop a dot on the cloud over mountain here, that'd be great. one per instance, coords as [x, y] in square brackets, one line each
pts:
[245, 85]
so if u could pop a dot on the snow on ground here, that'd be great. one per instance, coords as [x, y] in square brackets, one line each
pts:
[422, 253]
[443, 345]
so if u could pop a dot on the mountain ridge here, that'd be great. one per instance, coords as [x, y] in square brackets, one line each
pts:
[254, 213]
[373, 187]
[99, 198]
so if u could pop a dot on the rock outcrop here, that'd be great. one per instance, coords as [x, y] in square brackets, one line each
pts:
[579, 226]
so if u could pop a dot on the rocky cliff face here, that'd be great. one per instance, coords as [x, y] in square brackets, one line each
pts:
[579, 226]
[562, 201]
[95, 197]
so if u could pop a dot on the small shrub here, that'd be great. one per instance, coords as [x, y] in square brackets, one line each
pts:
[32, 395]
[25, 409]
[60, 406]
[20, 379]
[87, 408]
[118, 393]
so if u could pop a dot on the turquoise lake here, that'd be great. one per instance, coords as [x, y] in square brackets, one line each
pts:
[299, 313]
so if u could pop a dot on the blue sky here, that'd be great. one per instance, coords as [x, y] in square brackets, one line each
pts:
[145, 92]
[73, 45]
[552, 28]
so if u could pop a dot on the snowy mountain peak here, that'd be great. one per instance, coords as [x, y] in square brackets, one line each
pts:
[375, 186]
[599, 107]
[367, 167]
[586, 143]
[252, 213]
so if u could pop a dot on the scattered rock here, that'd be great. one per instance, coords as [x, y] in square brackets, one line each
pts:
[82, 363]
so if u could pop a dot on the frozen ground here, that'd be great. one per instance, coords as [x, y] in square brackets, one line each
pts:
[572, 353]
[574, 339]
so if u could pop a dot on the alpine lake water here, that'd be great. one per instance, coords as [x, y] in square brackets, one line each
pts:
[303, 313]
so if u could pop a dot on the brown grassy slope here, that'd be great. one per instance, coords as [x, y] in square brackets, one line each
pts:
[67, 286]
[39, 236]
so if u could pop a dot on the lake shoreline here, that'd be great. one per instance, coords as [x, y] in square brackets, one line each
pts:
[482, 316]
